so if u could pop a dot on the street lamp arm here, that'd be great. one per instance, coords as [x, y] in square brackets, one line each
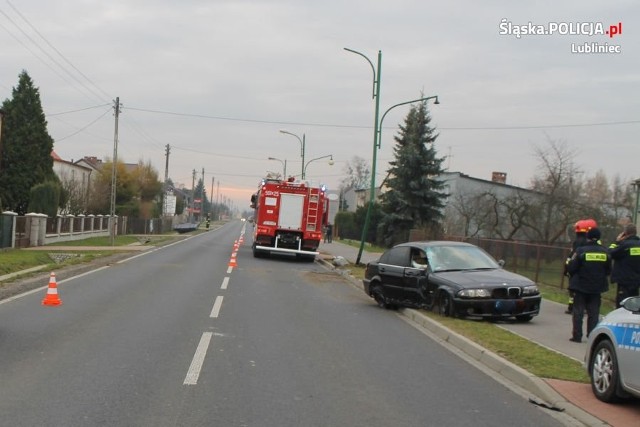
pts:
[291, 133]
[302, 146]
[284, 165]
[319, 158]
[397, 105]
[373, 68]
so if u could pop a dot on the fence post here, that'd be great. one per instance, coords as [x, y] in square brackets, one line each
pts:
[31, 228]
[537, 263]
[42, 229]
[81, 217]
[566, 255]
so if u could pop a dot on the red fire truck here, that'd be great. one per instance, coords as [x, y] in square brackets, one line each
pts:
[289, 218]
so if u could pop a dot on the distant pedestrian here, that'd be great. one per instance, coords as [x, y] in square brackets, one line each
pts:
[588, 268]
[581, 228]
[328, 237]
[625, 253]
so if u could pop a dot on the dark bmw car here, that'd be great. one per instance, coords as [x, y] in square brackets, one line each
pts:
[457, 279]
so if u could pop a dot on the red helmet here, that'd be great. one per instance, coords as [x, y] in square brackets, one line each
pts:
[585, 225]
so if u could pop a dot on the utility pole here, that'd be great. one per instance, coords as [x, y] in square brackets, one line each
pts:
[166, 178]
[193, 191]
[112, 232]
[213, 178]
[167, 151]
[202, 197]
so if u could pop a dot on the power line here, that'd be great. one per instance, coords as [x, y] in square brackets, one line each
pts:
[629, 122]
[335, 125]
[51, 58]
[56, 50]
[235, 119]
[76, 111]
[85, 127]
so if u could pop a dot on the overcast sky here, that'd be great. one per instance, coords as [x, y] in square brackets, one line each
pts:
[217, 80]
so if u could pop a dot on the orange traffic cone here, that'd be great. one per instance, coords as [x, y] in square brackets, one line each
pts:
[52, 292]
[232, 262]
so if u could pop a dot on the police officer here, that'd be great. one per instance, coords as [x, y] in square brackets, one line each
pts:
[581, 228]
[625, 253]
[588, 269]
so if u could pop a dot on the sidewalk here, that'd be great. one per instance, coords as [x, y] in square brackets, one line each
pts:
[550, 329]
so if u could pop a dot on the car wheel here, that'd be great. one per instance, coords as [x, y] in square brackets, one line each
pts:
[378, 296]
[445, 305]
[604, 372]
[524, 318]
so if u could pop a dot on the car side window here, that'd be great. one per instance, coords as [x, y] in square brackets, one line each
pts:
[418, 258]
[397, 256]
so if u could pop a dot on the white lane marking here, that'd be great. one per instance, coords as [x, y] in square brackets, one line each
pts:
[229, 270]
[216, 307]
[198, 360]
[225, 283]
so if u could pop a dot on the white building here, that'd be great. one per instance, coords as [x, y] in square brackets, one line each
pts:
[76, 181]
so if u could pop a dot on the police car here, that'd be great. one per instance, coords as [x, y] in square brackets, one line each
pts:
[613, 353]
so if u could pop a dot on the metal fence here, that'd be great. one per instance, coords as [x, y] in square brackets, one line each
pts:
[149, 226]
[22, 238]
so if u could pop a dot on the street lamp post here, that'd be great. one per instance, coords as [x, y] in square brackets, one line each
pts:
[636, 184]
[376, 95]
[284, 166]
[318, 158]
[302, 146]
[377, 128]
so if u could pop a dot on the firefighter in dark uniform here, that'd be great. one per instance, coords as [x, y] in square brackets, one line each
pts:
[589, 269]
[625, 253]
[581, 228]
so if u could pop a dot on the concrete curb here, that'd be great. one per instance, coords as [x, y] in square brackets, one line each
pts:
[503, 367]
[18, 273]
[513, 373]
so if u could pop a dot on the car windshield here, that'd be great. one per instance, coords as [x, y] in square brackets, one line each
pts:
[456, 258]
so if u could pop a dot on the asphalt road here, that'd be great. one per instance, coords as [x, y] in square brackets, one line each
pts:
[176, 337]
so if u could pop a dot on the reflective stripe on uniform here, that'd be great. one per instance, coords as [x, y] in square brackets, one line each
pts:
[595, 256]
[634, 251]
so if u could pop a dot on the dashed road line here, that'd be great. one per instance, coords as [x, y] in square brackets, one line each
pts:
[198, 359]
[215, 312]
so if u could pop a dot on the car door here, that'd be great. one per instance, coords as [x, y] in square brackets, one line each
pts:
[627, 351]
[415, 279]
[391, 270]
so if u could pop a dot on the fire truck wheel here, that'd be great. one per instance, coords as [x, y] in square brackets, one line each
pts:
[258, 253]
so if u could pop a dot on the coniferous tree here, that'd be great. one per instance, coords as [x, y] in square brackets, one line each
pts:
[25, 160]
[415, 198]
[45, 198]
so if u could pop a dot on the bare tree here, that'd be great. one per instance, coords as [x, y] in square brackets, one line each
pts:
[358, 174]
[472, 214]
[559, 184]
